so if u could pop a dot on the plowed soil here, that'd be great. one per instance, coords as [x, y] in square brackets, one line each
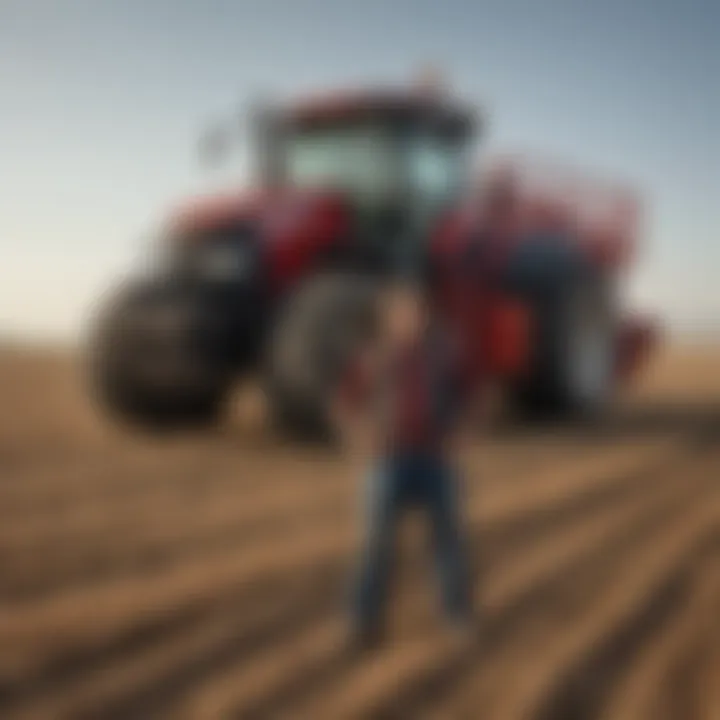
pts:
[205, 575]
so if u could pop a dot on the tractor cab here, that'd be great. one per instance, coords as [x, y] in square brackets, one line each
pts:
[398, 159]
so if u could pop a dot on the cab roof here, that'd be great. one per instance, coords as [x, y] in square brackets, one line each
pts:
[413, 105]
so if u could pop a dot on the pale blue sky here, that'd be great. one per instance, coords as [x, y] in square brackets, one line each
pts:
[101, 102]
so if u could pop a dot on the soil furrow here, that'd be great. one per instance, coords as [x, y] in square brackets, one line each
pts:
[667, 663]
[203, 576]
[516, 590]
[221, 526]
[567, 585]
[88, 618]
[646, 584]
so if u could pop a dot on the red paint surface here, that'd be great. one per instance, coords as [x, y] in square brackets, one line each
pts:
[300, 227]
[204, 213]
[494, 328]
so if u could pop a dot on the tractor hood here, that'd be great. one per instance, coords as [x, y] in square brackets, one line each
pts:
[276, 211]
[206, 214]
[292, 227]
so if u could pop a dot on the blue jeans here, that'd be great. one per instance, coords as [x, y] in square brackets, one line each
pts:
[396, 483]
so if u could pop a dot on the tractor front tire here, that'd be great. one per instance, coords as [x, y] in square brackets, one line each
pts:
[153, 372]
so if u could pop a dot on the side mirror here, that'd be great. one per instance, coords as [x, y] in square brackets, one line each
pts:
[215, 144]
[217, 140]
[264, 127]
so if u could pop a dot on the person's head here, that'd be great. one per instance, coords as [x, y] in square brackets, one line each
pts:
[405, 311]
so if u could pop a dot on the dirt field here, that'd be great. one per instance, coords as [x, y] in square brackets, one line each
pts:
[204, 576]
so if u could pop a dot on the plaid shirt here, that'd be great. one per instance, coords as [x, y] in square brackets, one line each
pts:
[417, 394]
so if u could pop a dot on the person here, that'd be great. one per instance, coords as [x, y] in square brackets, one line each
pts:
[402, 405]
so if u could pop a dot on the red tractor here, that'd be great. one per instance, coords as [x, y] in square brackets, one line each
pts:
[354, 188]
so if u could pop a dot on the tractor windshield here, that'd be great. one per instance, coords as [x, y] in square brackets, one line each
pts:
[436, 169]
[358, 159]
[374, 162]
[399, 177]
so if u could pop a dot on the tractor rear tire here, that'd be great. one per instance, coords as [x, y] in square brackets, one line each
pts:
[574, 350]
[323, 324]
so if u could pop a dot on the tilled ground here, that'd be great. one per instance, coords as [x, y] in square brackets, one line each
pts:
[205, 576]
